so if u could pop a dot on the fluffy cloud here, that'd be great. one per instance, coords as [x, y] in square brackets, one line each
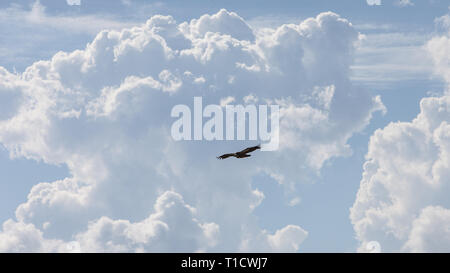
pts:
[440, 48]
[104, 112]
[223, 22]
[430, 231]
[287, 239]
[171, 227]
[403, 200]
[21, 237]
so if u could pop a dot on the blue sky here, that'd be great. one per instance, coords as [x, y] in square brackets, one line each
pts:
[390, 59]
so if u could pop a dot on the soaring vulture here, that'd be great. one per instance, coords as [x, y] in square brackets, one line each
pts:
[241, 154]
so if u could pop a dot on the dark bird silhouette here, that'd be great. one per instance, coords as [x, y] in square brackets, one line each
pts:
[241, 154]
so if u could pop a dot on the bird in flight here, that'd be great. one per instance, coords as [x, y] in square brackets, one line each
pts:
[241, 154]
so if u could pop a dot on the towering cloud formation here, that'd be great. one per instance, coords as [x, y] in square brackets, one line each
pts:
[403, 198]
[104, 112]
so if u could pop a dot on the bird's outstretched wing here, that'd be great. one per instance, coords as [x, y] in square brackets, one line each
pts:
[250, 149]
[225, 156]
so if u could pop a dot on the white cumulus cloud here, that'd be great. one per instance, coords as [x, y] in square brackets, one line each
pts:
[403, 200]
[104, 112]
[430, 231]
[171, 227]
